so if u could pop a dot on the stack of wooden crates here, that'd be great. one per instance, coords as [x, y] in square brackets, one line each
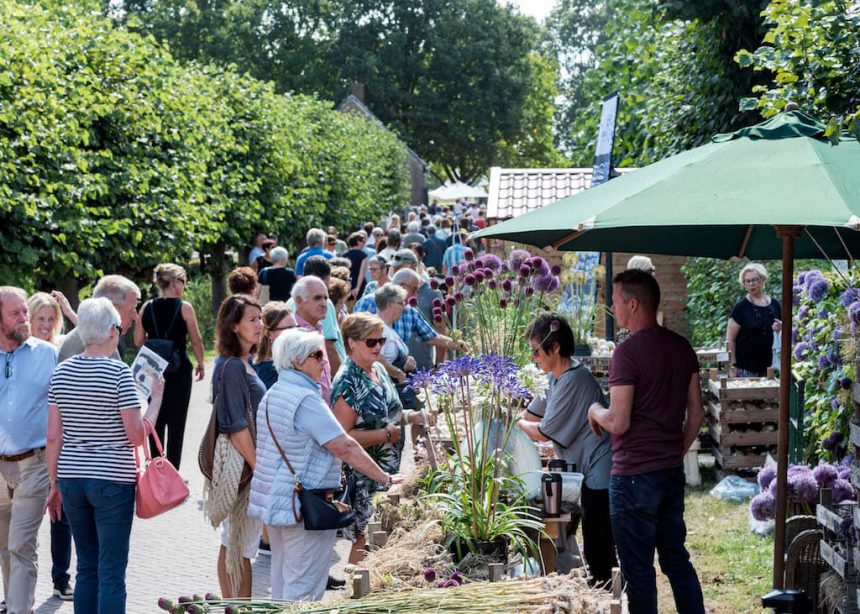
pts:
[742, 418]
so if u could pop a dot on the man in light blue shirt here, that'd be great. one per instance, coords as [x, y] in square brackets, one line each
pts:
[28, 364]
[316, 241]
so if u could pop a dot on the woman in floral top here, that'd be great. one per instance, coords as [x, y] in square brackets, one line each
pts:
[365, 402]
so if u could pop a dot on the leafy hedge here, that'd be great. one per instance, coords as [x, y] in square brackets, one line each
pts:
[114, 157]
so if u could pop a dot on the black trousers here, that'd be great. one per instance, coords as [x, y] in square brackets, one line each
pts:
[598, 545]
[170, 426]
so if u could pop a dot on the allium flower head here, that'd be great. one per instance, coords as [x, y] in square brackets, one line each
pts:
[517, 258]
[434, 283]
[455, 269]
[450, 301]
[449, 281]
[539, 265]
[459, 296]
[469, 279]
[438, 302]
[553, 284]
[492, 262]
[503, 302]
[437, 318]
[555, 270]
[525, 270]
[842, 491]
[765, 476]
[492, 284]
[530, 291]
[507, 285]
[763, 506]
[429, 574]
[469, 255]
[413, 301]
[542, 283]
[817, 290]
[848, 296]
[479, 276]
[825, 474]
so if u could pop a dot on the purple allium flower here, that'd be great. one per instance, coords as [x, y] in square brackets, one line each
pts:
[842, 491]
[492, 284]
[507, 285]
[469, 280]
[437, 311]
[848, 296]
[413, 301]
[442, 584]
[183, 599]
[530, 291]
[542, 283]
[492, 262]
[438, 302]
[801, 350]
[825, 474]
[845, 383]
[479, 276]
[555, 270]
[799, 470]
[517, 258]
[763, 506]
[449, 281]
[469, 255]
[450, 301]
[434, 283]
[854, 312]
[803, 489]
[455, 269]
[503, 302]
[817, 290]
[553, 284]
[457, 577]
[539, 265]
[437, 318]
[429, 574]
[458, 296]
[166, 604]
[525, 270]
[766, 475]
[212, 597]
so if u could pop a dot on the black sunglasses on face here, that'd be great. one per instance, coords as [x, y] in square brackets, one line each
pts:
[318, 355]
[373, 342]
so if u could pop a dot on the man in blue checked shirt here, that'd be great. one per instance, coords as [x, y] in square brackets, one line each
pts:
[411, 323]
[28, 364]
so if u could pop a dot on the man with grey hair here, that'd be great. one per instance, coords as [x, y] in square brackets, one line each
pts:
[412, 323]
[414, 235]
[278, 277]
[424, 354]
[310, 296]
[24, 483]
[316, 247]
[124, 294]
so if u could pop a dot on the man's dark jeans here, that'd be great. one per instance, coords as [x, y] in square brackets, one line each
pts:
[647, 512]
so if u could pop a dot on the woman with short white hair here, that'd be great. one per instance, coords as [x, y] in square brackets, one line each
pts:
[94, 424]
[296, 425]
[390, 302]
[279, 277]
[754, 319]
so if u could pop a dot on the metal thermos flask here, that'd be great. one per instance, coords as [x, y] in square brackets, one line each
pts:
[551, 488]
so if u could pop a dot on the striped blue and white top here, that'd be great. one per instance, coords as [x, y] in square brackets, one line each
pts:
[90, 392]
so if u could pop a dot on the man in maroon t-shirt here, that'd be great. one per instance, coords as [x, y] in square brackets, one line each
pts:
[654, 416]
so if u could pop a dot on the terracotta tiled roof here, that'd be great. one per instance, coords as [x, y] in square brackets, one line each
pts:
[514, 191]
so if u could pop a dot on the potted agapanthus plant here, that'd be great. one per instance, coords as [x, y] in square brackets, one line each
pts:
[486, 506]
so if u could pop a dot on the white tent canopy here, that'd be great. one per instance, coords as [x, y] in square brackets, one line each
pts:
[456, 191]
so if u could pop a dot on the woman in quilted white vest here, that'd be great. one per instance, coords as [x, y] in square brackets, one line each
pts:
[294, 417]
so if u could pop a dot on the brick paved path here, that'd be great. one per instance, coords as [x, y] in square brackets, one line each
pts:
[175, 553]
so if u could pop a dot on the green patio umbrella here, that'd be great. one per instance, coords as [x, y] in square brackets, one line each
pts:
[778, 189]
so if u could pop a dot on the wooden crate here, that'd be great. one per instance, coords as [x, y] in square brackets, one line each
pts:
[837, 552]
[742, 419]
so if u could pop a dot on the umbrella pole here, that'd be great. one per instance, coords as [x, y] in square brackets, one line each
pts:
[788, 234]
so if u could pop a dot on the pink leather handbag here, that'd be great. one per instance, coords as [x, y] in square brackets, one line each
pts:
[159, 485]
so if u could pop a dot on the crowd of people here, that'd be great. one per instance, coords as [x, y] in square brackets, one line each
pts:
[309, 387]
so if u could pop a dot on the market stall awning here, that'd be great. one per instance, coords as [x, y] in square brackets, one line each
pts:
[456, 191]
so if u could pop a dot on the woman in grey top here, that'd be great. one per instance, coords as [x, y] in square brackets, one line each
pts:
[562, 417]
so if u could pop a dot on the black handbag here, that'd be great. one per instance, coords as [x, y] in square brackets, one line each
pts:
[322, 509]
[161, 345]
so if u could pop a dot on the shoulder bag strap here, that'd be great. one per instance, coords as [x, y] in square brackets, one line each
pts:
[149, 306]
[298, 488]
[173, 321]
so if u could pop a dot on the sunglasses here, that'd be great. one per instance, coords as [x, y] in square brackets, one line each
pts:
[372, 342]
[318, 355]
[9, 365]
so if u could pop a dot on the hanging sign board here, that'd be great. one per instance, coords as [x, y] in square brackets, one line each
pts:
[605, 140]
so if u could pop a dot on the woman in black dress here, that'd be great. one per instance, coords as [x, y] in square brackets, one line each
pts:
[754, 319]
[169, 317]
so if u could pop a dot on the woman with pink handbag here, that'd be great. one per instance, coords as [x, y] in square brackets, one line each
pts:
[94, 425]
